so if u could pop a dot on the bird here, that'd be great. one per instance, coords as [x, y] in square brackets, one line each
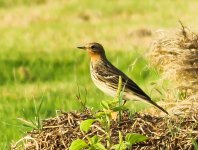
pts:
[106, 76]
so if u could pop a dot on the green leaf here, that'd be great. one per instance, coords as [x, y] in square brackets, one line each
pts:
[133, 138]
[120, 137]
[27, 123]
[99, 146]
[195, 144]
[78, 145]
[105, 104]
[95, 139]
[86, 124]
[119, 108]
[120, 146]
[100, 114]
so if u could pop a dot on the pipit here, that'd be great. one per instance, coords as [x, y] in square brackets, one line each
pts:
[106, 76]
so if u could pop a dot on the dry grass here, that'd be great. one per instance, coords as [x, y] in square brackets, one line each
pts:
[175, 132]
[176, 54]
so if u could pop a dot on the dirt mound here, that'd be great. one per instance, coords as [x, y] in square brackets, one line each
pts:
[176, 132]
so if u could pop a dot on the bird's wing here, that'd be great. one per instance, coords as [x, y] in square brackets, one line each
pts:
[110, 75]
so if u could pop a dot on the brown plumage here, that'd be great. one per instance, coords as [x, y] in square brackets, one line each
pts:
[106, 76]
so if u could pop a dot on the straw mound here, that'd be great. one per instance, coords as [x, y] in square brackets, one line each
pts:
[163, 132]
[176, 55]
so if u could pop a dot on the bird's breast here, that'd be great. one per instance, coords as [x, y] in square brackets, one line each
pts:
[101, 84]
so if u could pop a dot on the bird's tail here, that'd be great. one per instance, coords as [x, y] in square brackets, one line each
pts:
[156, 105]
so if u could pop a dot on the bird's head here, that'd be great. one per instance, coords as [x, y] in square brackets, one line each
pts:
[95, 50]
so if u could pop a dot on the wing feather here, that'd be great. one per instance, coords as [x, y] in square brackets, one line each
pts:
[110, 75]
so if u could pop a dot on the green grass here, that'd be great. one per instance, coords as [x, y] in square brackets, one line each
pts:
[39, 59]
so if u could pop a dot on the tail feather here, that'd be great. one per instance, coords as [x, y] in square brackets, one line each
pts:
[156, 105]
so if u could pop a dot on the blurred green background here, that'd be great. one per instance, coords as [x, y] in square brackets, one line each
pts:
[39, 59]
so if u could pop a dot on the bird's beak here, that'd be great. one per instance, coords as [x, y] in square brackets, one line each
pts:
[81, 47]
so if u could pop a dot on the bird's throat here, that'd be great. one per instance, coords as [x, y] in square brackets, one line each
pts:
[94, 56]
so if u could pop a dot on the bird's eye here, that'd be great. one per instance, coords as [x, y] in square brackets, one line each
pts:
[92, 47]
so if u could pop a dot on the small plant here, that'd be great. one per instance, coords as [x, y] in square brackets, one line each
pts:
[81, 101]
[195, 144]
[98, 143]
[105, 119]
[36, 123]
